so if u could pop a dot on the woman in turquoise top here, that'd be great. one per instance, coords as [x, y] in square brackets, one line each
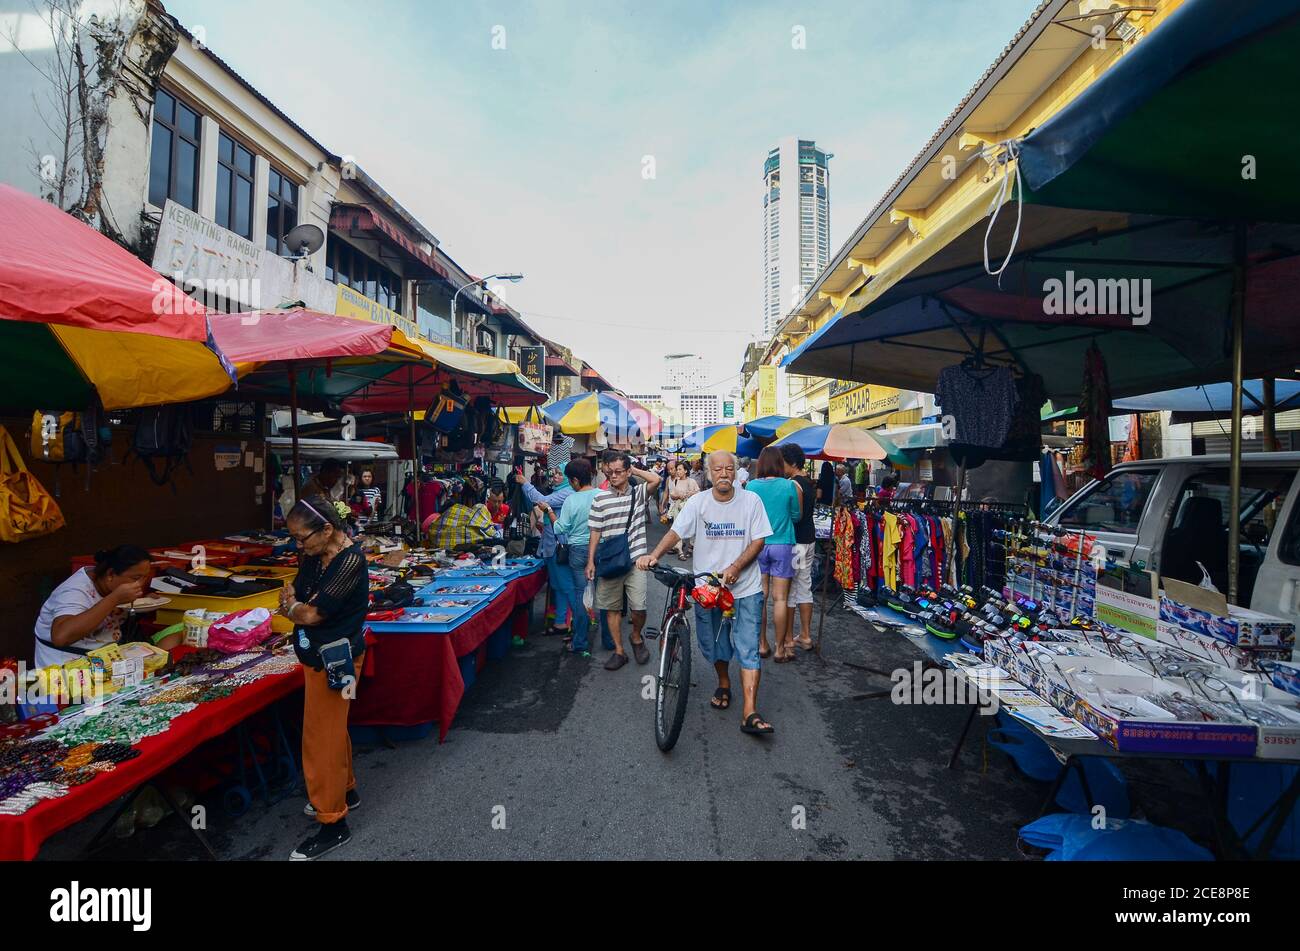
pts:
[572, 526]
[776, 561]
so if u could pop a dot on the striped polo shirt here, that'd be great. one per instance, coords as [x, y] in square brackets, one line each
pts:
[609, 516]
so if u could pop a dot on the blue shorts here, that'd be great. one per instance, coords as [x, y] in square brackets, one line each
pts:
[721, 641]
[777, 561]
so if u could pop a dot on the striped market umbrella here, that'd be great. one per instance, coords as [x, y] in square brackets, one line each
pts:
[81, 316]
[624, 420]
[720, 437]
[836, 442]
[774, 427]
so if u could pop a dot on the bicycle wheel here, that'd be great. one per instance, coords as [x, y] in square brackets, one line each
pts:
[673, 682]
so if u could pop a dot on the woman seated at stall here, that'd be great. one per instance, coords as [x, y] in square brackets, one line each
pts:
[82, 614]
[466, 522]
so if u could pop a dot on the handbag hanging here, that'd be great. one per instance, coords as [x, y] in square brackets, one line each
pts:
[27, 510]
[534, 435]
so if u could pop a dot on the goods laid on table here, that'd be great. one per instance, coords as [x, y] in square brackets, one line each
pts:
[1080, 647]
[46, 754]
[436, 590]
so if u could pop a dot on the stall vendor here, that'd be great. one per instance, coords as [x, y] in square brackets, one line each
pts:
[327, 604]
[82, 614]
[326, 483]
[496, 505]
[465, 522]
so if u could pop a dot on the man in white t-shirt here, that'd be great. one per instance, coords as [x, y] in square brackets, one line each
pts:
[728, 528]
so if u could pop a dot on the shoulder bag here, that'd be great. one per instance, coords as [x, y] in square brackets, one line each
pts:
[614, 555]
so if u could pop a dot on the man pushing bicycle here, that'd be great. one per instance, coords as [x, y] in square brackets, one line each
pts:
[728, 529]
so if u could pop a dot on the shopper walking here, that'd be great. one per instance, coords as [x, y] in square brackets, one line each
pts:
[619, 516]
[729, 529]
[572, 526]
[826, 484]
[680, 487]
[327, 604]
[805, 542]
[843, 485]
[558, 575]
[776, 561]
[699, 474]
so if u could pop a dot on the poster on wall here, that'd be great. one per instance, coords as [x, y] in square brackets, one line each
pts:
[766, 391]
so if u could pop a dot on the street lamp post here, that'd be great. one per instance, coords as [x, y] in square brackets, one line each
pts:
[513, 278]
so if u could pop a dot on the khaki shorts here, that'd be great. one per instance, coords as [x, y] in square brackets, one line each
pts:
[610, 591]
[801, 586]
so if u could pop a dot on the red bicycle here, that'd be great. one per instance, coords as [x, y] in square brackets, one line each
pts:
[673, 681]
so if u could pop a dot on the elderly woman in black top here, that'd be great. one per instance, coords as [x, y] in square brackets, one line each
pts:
[327, 604]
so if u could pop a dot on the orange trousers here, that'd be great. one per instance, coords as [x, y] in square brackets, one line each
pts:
[326, 746]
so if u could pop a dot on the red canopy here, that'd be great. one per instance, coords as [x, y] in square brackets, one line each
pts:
[56, 270]
[271, 335]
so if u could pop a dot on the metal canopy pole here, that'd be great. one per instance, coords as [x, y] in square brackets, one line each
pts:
[1270, 412]
[1238, 357]
[293, 411]
[415, 458]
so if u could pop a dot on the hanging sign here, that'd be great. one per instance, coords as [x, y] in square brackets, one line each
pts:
[532, 364]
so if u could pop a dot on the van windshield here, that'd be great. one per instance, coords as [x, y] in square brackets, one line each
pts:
[1115, 504]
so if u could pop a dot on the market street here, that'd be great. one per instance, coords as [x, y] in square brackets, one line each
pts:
[568, 749]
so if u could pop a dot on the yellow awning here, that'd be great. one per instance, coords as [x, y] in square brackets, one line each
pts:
[975, 210]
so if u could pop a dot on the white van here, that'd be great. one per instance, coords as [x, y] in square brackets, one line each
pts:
[1169, 514]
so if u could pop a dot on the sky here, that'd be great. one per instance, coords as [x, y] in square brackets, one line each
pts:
[521, 135]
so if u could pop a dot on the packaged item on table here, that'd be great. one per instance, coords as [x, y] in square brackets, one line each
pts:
[197, 622]
[238, 632]
[1240, 627]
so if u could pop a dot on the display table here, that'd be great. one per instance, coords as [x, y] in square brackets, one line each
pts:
[21, 836]
[1214, 774]
[416, 678]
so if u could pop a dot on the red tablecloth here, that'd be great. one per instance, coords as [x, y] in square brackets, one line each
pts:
[21, 836]
[416, 679]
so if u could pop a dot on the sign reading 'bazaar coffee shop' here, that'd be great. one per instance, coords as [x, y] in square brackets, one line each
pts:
[861, 401]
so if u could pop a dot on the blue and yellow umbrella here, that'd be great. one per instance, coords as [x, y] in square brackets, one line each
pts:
[624, 420]
[774, 427]
[720, 437]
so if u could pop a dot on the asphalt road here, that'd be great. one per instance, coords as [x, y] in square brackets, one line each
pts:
[553, 757]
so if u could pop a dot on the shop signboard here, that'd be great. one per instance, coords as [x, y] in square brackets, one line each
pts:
[862, 402]
[225, 270]
[350, 303]
[532, 364]
[767, 391]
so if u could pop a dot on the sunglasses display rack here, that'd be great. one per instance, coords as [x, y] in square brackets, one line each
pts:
[1154, 699]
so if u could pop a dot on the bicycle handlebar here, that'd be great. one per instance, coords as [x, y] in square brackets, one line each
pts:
[673, 576]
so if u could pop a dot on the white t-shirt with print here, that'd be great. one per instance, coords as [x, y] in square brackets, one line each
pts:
[75, 596]
[722, 531]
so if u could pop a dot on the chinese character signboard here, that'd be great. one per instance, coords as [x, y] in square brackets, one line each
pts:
[532, 364]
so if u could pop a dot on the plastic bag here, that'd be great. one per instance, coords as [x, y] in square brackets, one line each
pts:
[237, 632]
[1206, 583]
[589, 598]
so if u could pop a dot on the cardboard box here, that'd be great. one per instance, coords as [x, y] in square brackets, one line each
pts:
[1240, 627]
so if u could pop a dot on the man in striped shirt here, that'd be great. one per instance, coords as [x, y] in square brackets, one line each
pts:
[609, 519]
